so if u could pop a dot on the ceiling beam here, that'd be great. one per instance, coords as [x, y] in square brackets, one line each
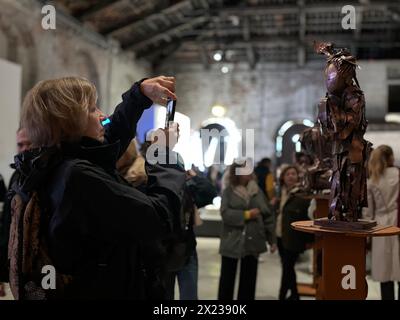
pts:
[317, 8]
[168, 33]
[136, 22]
[93, 10]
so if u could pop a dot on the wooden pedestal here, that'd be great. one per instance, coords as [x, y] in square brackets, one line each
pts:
[321, 211]
[343, 260]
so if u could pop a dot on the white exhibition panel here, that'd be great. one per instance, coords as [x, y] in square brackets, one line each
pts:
[10, 102]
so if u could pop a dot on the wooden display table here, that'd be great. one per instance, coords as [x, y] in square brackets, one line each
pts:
[343, 260]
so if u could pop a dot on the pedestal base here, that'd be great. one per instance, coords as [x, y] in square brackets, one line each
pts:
[344, 225]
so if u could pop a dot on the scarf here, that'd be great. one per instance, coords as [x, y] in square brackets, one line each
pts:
[246, 192]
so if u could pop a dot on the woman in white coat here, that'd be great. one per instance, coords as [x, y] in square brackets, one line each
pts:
[383, 206]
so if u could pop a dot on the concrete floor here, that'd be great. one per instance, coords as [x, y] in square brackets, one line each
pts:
[269, 273]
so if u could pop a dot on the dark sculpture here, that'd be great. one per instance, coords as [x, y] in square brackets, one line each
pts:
[342, 120]
[317, 176]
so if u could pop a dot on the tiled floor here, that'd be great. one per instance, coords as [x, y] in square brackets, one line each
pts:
[269, 273]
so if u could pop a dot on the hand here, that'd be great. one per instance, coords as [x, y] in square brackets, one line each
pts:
[167, 137]
[254, 213]
[273, 248]
[190, 174]
[159, 89]
[273, 201]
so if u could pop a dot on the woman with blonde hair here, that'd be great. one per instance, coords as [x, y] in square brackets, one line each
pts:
[383, 206]
[96, 220]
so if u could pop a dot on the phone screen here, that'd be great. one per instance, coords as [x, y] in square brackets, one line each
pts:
[171, 105]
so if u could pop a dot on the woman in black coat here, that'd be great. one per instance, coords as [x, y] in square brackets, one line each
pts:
[98, 224]
[291, 243]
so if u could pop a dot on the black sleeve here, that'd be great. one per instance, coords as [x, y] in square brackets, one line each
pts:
[126, 116]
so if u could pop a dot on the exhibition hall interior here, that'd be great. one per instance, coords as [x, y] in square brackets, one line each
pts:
[200, 150]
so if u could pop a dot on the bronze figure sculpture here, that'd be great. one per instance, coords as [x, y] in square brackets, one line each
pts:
[342, 120]
[317, 176]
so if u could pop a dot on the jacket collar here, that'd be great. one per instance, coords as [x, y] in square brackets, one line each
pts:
[101, 154]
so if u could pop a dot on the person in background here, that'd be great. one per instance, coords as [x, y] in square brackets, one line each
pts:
[3, 189]
[183, 264]
[248, 224]
[266, 180]
[290, 242]
[215, 176]
[23, 144]
[383, 207]
[261, 171]
[132, 165]
[3, 192]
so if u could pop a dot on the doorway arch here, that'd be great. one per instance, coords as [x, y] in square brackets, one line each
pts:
[286, 139]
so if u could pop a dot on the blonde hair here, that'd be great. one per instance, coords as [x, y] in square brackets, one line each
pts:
[379, 161]
[128, 158]
[57, 110]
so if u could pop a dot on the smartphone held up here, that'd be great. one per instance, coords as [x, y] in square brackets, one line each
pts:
[170, 115]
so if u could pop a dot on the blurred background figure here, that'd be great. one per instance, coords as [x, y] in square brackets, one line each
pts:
[383, 206]
[265, 178]
[215, 176]
[23, 144]
[182, 260]
[248, 224]
[291, 243]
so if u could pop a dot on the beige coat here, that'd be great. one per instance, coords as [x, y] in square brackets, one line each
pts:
[382, 207]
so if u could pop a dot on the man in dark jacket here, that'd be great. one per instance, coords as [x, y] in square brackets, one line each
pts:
[97, 220]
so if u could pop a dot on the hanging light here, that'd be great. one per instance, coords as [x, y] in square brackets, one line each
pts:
[224, 69]
[218, 111]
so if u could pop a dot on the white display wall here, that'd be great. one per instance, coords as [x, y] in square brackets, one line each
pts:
[10, 101]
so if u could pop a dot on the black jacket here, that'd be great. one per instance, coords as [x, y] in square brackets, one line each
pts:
[98, 222]
[295, 209]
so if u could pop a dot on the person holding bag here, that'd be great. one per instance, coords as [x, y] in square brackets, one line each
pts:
[248, 224]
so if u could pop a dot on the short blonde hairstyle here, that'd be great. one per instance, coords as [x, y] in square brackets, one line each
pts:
[57, 110]
[378, 162]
